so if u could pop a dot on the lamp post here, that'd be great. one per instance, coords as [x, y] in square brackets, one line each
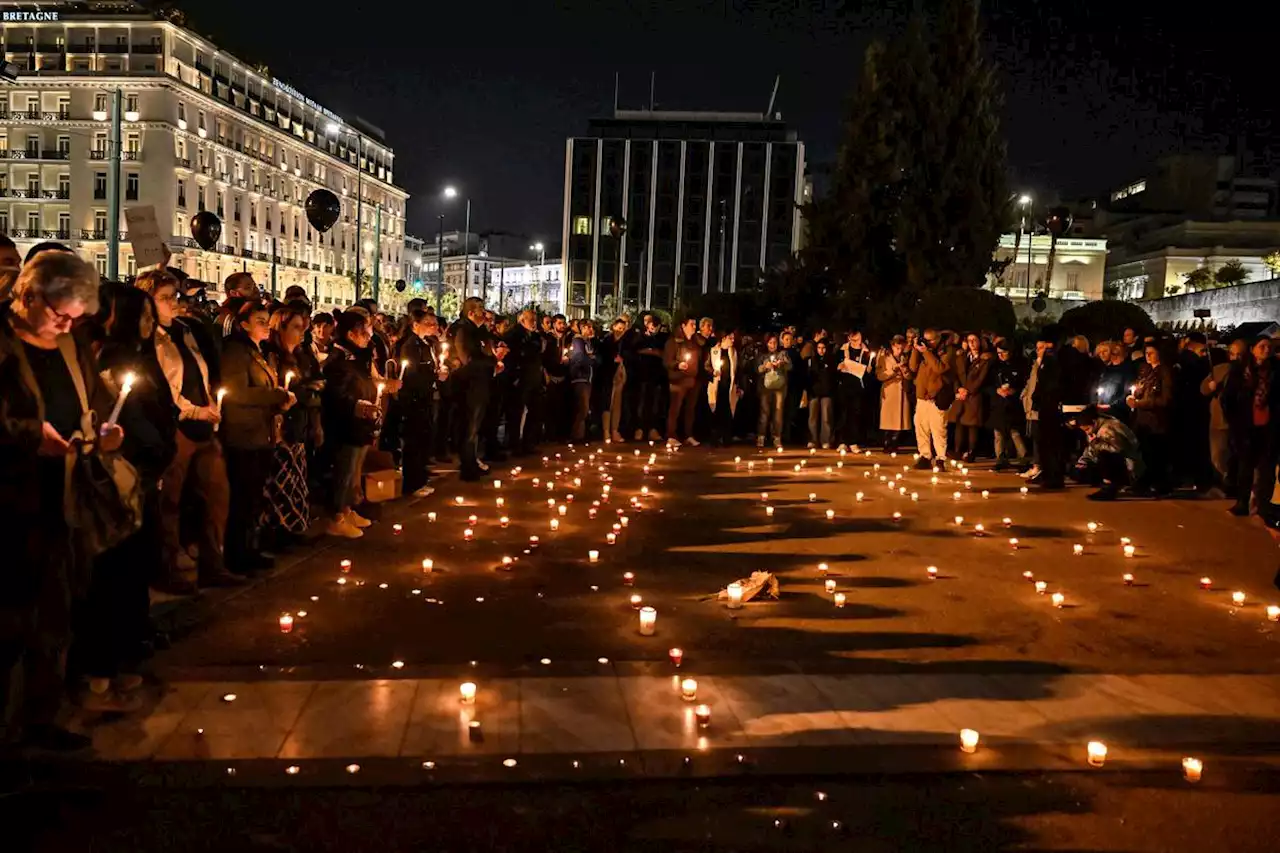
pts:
[1025, 202]
[542, 261]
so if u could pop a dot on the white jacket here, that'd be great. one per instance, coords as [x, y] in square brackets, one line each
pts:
[170, 359]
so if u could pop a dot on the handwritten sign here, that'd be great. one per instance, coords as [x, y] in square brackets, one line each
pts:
[144, 234]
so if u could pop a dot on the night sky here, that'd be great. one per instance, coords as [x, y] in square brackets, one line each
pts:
[483, 95]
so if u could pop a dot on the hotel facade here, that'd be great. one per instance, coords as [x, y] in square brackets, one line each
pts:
[202, 130]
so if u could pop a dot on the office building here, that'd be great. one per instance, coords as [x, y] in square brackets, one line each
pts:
[710, 200]
[203, 130]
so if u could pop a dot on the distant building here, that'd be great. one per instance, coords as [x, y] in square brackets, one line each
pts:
[710, 201]
[1196, 186]
[1079, 266]
[1151, 259]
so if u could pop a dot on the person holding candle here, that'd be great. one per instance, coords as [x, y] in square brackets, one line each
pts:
[555, 364]
[646, 376]
[50, 396]
[112, 627]
[895, 392]
[252, 423]
[288, 501]
[612, 378]
[968, 412]
[1151, 401]
[422, 372]
[724, 390]
[772, 369]
[582, 368]
[681, 357]
[350, 418]
[197, 463]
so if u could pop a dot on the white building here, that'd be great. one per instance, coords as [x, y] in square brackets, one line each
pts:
[1079, 267]
[514, 284]
[202, 131]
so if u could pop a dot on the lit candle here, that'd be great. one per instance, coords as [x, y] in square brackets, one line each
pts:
[644, 490]
[648, 621]
[702, 714]
[404, 365]
[1092, 527]
[1078, 550]
[831, 513]
[768, 511]
[915, 496]
[472, 520]
[1006, 521]
[623, 520]
[676, 655]
[933, 480]
[397, 529]
[591, 513]
[830, 585]
[1097, 753]
[1059, 599]
[377, 401]
[1237, 598]
[551, 503]
[345, 565]
[813, 496]
[1128, 579]
[985, 494]
[1192, 768]
[735, 595]
[932, 572]
[838, 598]
[822, 568]
[1024, 491]
[968, 740]
[1206, 583]
[1129, 550]
[628, 578]
[533, 541]
[286, 623]
[1013, 543]
[959, 519]
[593, 556]
[431, 518]
[1273, 613]
[288, 379]
[222, 392]
[1029, 575]
[955, 496]
[536, 482]
[459, 500]
[897, 516]
[503, 522]
[979, 529]
[467, 534]
[562, 509]
[1041, 586]
[428, 565]
[1125, 540]
[689, 689]
[125, 387]
[467, 690]
[555, 524]
[506, 563]
[858, 496]
[636, 601]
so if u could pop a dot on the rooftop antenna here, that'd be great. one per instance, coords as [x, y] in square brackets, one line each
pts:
[615, 94]
[653, 86]
[768, 114]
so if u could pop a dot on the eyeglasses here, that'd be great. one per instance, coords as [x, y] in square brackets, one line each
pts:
[57, 315]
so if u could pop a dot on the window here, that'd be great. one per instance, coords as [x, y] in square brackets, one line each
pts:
[182, 115]
[64, 106]
[64, 145]
[180, 222]
[100, 261]
[130, 265]
[131, 186]
[4, 221]
[131, 103]
[100, 102]
[582, 225]
[33, 222]
[132, 143]
[64, 225]
[99, 146]
[64, 186]
[182, 193]
[100, 222]
[33, 185]
[33, 145]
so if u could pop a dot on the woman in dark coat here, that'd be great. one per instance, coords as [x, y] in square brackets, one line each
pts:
[1006, 415]
[968, 412]
[1251, 403]
[287, 510]
[351, 416]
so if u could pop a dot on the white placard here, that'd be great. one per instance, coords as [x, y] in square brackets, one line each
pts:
[144, 235]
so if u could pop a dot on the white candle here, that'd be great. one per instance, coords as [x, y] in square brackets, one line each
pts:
[822, 568]
[125, 387]
[689, 689]
[1097, 753]
[1024, 491]
[1092, 527]
[1273, 613]
[1007, 522]
[623, 520]
[1237, 598]
[377, 401]
[1041, 586]
[648, 621]
[1128, 579]
[288, 379]
[829, 585]
[768, 511]
[932, 572]
[1206, 583]
[562, 509]
[459, 500]
[497, 484]
[1013, 543]
[897, 516]
[813, 496]
[1029, 575]
[593, 556]
[735, 595]
[404, 365]
[702, 714]
[968, 740]
[959, 519]
[467, 690]
[1077, 549]
[831, 513]
[555, 524]
[1058, 600]
[838, 598]
[286, 623]
[503, 522]
[428, 565]
[858, 496]
[636, 601]
[431, 518]
[1192, 768]
[467, 534]
[985, 494]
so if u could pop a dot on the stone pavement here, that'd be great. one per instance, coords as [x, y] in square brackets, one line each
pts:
[567, 688]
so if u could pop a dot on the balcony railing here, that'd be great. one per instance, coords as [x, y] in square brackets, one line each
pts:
[39, 234]
[101, 154]
[184, 162]
[99, 234]
[35, 115]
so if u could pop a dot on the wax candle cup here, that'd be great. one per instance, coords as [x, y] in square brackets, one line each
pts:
[397, 529]
[1024, 491]
[1273, 613]
[459, 500]
[467, 690]
[813, 496]
[503, 522]
[1129, 550]
[959, 520]
[497, 484]
[858, 497]
[1007, 522]
[968, 740]
[648, 621]
[702, 714]
[1059, 599]
[1013, 543]
[431, 517]
[473, 520]
[676, 655]
[1192, 769]
[823, 568]
[562, 509]
[897, 516]
[955, 496]
[628, 578]
[533, 541]
[985, 494]
[286, 623]
[979, 529]
[1078, 550]
[345, 565]
[623, 520]
[829, 585]
[428, 565]
[1237, 598]
[468, 534]
[593, 556]
[1041, 586]
[1206, 583]
[555, 524]
[1092, 527]
[611, 538]
[1128, 579]
[768, 511]
[831, 513]
[1097, 753]
[689, 689]
[932, 572]
[1029, 575]
[636, 601]
[838, 598]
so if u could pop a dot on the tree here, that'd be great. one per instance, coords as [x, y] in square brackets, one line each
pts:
[1106, 320]
[1200, 278]
[1272, 260]
[964, 309]
[918, 198]
[1232, 272]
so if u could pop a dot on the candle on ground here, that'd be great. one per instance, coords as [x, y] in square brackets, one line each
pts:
[1192, 768]
[1097, 753]
[676, 654]
[503, 522]
[345, 565]
[611, 538]
[822, 568]
[555, 524]
[1078, 550]
[968, 740]
[286, 623]
[467, 534]
[428, 565]
[648, 621]
[636, 601]
[431, 518]
[533, 541]
[459, 500]
[467, 690]
[838, 598]
[689, 689]
[932, 571]
[1092, 527]
[1206, 583]
[1129, 550]
[1013, 543]
[1041, 587]
[829, 585]
[831, 513]
[702, 714]
[593, 556]
[1128, 579]
[1237, 598]
[1059, 599]
[1029, 575]
[735, 595]
[1273, 613]
[397, 529]
[768, 511]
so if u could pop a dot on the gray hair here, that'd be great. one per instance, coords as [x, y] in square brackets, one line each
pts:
[59, 278]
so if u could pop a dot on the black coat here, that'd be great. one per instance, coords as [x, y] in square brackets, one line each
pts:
[348, 379]
[1006, 412]
[149, 416]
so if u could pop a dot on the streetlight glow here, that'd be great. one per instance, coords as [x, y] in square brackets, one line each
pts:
[537, 247]
[1024, 200]
[450, 192]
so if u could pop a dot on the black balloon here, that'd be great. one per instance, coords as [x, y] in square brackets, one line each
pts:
[206, 228]
[617, 226]
[323, 209]
[1058, 221]
[400, 285]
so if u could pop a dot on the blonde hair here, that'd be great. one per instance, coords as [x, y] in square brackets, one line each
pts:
[58, 278]
[149, 281]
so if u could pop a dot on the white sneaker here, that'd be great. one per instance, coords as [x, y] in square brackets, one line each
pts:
[424, 492]
[343, 529]
[673, 442]
[357, 520]
[812, 446]
[692, 442]
[1033, 471]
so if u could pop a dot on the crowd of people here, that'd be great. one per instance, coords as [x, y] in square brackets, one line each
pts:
[154, 437]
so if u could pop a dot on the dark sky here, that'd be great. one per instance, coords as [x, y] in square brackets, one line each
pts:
[483, 94]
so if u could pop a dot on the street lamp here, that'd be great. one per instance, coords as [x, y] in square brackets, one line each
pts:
[334, 129]
[542, 259]
[451, 193]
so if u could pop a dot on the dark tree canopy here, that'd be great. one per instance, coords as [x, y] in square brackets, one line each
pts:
[1106, 320]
